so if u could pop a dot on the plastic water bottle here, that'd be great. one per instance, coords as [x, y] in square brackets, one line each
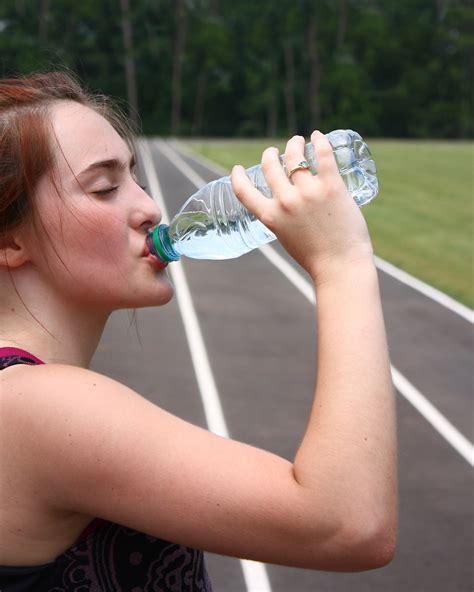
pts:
[213, 224]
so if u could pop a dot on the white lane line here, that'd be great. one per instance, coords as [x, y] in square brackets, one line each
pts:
[402, 276]
[212, 166]
[426, 289]
[436, 419]
[459, 442]
[305, 287]
[413, 395]
[255, 573]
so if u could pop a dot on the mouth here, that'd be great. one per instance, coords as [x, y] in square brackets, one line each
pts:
[158, 263]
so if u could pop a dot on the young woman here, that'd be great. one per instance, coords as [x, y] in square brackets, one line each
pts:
[101, 489]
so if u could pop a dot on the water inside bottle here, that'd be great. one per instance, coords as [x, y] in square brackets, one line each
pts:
[218, 227]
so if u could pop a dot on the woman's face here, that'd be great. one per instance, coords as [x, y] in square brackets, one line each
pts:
[92, 237]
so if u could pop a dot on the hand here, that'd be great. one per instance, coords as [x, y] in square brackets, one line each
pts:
[314, 217]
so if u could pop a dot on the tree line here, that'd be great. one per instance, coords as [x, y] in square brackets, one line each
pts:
[387, 68]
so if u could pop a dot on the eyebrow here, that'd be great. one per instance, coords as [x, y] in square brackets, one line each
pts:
[110, 164]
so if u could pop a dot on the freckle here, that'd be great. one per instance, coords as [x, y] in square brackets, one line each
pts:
[12, 309]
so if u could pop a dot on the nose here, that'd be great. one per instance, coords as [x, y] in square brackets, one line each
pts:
[146, 212]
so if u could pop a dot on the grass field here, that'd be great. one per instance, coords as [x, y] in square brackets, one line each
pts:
[422, 219]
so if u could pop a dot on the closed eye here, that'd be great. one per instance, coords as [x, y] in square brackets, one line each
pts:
[106, 191]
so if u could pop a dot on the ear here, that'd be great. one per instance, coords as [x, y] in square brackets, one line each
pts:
[13, 252]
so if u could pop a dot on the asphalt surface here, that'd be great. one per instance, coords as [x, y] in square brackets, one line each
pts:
[259, 333]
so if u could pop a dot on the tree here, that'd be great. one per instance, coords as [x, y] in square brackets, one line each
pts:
[129, 63]
[314, 99]
[178, 57]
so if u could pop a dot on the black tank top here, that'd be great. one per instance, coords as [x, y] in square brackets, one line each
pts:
[108, 557]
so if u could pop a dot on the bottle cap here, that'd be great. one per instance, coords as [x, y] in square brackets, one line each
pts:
[159, 244]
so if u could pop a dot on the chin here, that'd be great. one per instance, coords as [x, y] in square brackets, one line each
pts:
[158, 297]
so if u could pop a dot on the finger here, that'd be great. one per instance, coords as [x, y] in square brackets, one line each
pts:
[325, 160]
[248, 195]
[273, 171]
[294, 155]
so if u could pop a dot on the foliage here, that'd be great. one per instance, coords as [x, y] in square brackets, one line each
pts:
[397, 68]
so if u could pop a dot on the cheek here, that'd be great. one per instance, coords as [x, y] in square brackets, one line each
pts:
[100, 246]
[100, 239]
[85, 242]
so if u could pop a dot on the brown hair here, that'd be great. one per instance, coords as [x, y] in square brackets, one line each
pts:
[25, 137]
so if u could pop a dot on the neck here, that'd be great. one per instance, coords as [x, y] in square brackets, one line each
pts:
[39, 321]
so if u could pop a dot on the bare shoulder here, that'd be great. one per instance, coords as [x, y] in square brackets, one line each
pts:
[51, 380]
[58, 407]
[67, 415]
[64, 411]
[53, 395]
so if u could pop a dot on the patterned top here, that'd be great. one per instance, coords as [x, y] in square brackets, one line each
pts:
[108, 557]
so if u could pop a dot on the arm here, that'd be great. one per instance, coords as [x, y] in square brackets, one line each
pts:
[103, 450]
[351, 433]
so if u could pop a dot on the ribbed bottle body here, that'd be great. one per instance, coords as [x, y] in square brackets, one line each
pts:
[213, 224]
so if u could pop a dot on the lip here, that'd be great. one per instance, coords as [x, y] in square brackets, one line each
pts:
[156, 262]
[153, 260]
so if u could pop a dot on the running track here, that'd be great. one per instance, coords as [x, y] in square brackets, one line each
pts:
[234, 352]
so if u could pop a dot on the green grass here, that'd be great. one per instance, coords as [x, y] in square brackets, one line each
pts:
[422, 219]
